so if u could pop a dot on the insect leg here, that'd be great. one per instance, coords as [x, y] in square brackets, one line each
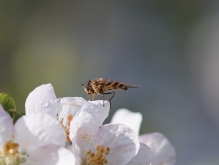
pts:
[93, 97]
[103, 96]
[113, 93]
[88, 96]
[101, 91]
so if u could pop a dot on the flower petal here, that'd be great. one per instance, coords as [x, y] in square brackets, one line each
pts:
[84, 124]
[43, 99]
[99, 111]
[162, 150]
[6, 127]
[72, 105]
[38, 130]
[53, 155]
[123, 142]
[129, 118]
[118, 142]
[144, 156]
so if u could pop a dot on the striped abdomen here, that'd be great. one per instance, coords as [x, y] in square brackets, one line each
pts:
[115, 85]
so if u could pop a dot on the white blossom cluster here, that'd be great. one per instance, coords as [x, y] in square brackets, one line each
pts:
[70, 131]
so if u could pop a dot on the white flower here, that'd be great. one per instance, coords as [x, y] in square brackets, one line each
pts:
[144, 156]
[93, 142]
[6, 127]
[70, 106]
[107, 144]
[38, 135]
[74, 105]
[162, 150]
[131, 119]
[43, 99]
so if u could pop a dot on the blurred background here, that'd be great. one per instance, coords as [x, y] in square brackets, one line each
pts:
[170, 48]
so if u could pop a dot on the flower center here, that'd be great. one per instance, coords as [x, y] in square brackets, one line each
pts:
[9, 155]
[67, 127]
[97, 158]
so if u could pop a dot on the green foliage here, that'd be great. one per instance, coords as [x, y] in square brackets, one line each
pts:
[8, 104]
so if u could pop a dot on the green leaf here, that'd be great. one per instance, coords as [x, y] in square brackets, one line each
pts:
[7, 102]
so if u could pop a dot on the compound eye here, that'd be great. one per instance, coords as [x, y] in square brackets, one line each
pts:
[87, 85]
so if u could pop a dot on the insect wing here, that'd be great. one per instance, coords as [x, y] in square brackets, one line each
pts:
[128, 85]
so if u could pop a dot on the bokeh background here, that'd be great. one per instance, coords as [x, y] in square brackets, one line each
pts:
[170, 48]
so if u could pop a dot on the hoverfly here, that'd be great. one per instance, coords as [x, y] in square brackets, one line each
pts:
[104, 86]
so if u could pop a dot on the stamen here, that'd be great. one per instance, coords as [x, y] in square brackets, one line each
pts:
[10, 155]
[97, 158]
[66, 128]
[70, 117]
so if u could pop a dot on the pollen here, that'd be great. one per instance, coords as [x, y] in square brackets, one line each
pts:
[67, 127]
[9, 154]
[70, 117]
[98, 157]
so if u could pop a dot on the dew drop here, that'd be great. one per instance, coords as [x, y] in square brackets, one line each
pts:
[44, 103]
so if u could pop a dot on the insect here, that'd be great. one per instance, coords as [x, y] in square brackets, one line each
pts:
[104, 86]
